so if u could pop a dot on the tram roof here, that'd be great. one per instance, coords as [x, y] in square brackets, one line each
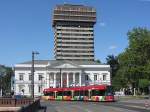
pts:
[82, 88]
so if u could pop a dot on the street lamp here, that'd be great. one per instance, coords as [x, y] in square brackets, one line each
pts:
[60, 77]
[32, 71]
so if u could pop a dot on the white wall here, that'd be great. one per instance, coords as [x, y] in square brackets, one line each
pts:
[27, 82]
[45, 80]
[99, 77]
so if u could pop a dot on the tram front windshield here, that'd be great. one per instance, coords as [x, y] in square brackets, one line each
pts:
[109, 91]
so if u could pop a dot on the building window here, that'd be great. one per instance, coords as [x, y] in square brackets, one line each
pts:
[30, 77]
[21, 76]
[86, 77]
[21, 88]
[95, 77]
[40, 77]
[104, 76]
[40, 89]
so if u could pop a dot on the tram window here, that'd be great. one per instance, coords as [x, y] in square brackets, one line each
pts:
[59, 94]
[76, 93]
[109, 90]
[49, 94]
[86, 93]
[98, 93]
[45, 94]
[67, 93]
[81, 93]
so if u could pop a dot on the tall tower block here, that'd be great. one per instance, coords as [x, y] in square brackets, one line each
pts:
[74, 32]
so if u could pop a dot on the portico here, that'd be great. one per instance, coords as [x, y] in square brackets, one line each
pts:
[64, 78]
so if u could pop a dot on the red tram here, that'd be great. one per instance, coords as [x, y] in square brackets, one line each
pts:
[83, 93]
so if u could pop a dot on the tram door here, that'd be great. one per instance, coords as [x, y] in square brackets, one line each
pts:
[86, 95]
[59, 95]
[76, 95]
[67, 95]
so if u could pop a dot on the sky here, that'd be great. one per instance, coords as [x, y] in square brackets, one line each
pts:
[26, 26]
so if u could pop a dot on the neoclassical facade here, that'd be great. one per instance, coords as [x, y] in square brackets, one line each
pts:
[59, 73]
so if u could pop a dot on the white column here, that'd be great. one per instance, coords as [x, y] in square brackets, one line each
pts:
[54, 86]
[74, 79]
[67, 80]
[61, 75]
[80, 79]
[48, 78]
[134, 91]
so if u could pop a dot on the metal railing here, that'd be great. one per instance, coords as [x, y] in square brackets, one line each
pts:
[13, 102]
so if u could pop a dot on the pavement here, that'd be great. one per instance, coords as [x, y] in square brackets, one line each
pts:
[81, 106]
[10, 109]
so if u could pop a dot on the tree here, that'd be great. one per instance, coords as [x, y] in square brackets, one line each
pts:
[6, 74]
[143, 84]
[134, 62]
[98, 61]
[117, 80]
[113, 62]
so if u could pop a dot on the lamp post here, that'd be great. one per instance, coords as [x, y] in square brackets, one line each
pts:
[41, 84]
[60, 77]
[32, 72]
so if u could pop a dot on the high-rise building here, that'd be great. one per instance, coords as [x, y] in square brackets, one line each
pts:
[74, 32]
[74, 53]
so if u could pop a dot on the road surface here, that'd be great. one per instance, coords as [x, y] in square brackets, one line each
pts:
[80, 106]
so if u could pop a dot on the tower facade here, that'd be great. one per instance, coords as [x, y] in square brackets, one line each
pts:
[74, 32]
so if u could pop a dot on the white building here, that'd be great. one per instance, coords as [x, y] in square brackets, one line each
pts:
[47, 74]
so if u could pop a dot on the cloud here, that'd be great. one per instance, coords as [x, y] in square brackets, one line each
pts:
[102, 24]
[112, 47]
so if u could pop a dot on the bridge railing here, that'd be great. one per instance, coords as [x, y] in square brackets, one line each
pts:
[13, 102]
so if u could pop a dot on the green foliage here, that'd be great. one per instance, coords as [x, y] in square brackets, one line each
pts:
[134, 62]
[5, 80]
[143, 83]
[113, 62]
[98, 61]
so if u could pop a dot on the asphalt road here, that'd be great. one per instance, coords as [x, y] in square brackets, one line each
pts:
[80, 106]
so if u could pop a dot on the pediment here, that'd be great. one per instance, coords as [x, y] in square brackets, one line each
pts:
[66, 65]
[63, 64]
